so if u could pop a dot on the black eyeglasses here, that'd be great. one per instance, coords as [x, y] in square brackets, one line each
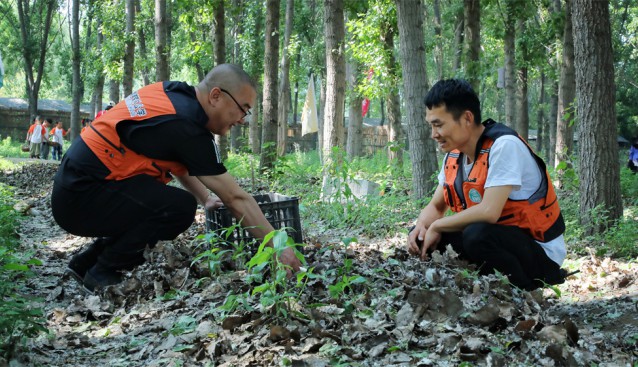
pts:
[246, 112]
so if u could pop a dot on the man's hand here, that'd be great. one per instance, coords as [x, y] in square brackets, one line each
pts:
[431, 239]
[415, 239]
[288, 257]
[213, 202]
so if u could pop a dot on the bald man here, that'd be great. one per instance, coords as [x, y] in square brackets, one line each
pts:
[111, 183]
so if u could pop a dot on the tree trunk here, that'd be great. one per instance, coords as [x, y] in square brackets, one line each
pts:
[472, 16]
[219, 47]
[415, 86]
[334, 30]
[566, 93]
[522, 113]
[271, 61]
[236, 131]
[99, 83]
[321, 109]
[76, 62]
[540, 119]
[284, 83]
[393, 104]
[114, 91]
[553, 115]
[142, 42]
[593, 56]
[510, 65]
[254, 128]
[458, 40]
[355, 119]
[438, 45]
[162, 71]
[129, 51]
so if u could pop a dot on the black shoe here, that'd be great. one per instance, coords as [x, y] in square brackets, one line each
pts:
[100, 276]
[84, 260]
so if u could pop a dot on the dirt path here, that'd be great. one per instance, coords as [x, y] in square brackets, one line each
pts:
[405, 312]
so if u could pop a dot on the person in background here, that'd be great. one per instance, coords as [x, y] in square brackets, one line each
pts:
[30, 129]
[57, 135]
[35, 138]
[632, 163]
[506, 214]
[112, 182]
[45, 139]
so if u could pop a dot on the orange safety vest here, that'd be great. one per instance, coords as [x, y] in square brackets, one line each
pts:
[539, 215]
[102, 138]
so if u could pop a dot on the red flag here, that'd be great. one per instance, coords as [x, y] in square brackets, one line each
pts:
[365, 105]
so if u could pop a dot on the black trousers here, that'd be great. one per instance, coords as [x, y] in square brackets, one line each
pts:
[506, 249]
[132, 213]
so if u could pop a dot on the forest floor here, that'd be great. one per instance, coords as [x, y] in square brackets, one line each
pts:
[401, 312]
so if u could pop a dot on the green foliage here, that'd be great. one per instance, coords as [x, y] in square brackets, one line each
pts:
[18, 318]
[11, 148]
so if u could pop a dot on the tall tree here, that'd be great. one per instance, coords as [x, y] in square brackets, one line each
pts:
[284, 81]
[34, 25]
[600, 176]
[457, 49]
[129, 53]
[540, 118]
[270, 102]
[509, 43]
[237, 30]
[162, 71]
[334, 30]
[522, 103]
[98, 90]
[219, 48]
[438, 34]
[415, 86]
[141, 32]
[566, 93]
[77, 80]
[472, 47]
[393, 104]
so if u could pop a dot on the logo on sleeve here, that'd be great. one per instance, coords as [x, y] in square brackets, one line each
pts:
[474, 195]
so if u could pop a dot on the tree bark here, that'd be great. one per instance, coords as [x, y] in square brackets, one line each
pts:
[593, 56]
[510, 65]
[334, 31]
[522, 113]
[219, 47]
[415, 86]
[284, 82]
[438, 46]
[99, 84]
[142, 42]
[472, 48]
[76, 62]
[236, 131]
[129, 51]
[393, 104]
[458, 41]
[162, 71]
[566, 93]
[271, 61]
[553, 116]
[540, 118]
[114, 91]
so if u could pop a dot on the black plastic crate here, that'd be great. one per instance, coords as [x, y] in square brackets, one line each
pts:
[280, 210]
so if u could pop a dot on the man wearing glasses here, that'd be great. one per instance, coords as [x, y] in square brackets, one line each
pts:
[111, 183]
